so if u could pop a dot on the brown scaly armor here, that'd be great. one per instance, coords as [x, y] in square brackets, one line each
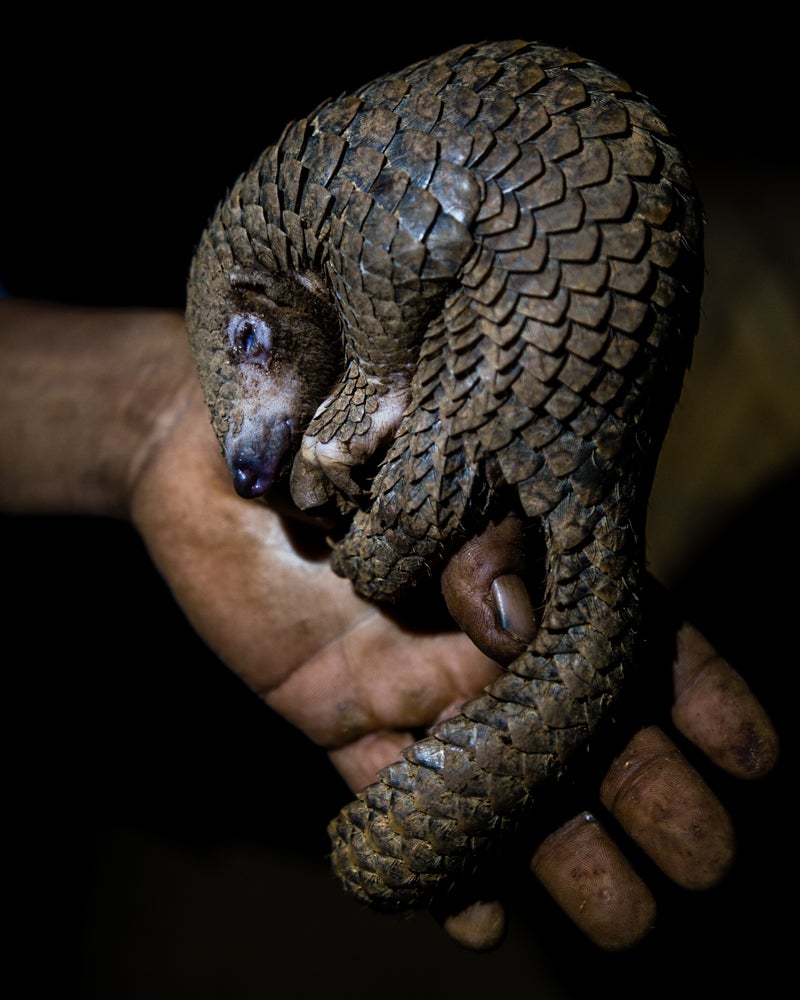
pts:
[494, 258]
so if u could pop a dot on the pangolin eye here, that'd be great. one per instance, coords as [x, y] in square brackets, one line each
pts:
[249, 337]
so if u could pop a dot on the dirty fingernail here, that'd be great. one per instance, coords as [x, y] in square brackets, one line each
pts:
[513, 606]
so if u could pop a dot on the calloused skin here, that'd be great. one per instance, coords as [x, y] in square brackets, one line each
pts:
[108, 402]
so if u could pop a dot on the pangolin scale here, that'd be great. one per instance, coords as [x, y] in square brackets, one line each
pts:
[494, 258]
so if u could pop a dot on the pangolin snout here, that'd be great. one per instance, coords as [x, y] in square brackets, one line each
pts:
[256, 461]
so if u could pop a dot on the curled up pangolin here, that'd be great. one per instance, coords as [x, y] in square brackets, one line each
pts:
[470, 286]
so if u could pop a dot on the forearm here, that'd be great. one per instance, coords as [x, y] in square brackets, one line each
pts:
[85, 394]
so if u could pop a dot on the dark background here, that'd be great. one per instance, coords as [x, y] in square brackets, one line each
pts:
[165, 830]
[125, 134]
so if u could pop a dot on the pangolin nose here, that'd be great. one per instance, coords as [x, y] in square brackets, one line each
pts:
[256, 458]
[251, 479]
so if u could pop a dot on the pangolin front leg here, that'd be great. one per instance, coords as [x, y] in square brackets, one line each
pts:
[510, 243]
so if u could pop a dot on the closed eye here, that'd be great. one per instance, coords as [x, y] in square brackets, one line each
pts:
[249, 338]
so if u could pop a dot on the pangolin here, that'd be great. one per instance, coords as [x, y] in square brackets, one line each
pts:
[469, 286]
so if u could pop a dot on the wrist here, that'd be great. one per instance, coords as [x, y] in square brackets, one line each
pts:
[85, 397]
[161, 395]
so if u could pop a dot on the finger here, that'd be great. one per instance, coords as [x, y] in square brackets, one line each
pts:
[590, 879]
[663, 804]
[480, 926]
[378, 677]
[717, 711]
[484, 587]
[359, 762]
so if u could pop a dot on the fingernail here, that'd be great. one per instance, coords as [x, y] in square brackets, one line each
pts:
[513, 607]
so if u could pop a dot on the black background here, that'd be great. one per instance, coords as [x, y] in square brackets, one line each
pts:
[129, 748]
[124, 135]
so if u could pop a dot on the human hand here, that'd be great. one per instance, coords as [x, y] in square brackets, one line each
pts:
[650, 789]
[357, 680]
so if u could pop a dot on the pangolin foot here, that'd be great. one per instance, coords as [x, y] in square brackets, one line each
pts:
[346, 439]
